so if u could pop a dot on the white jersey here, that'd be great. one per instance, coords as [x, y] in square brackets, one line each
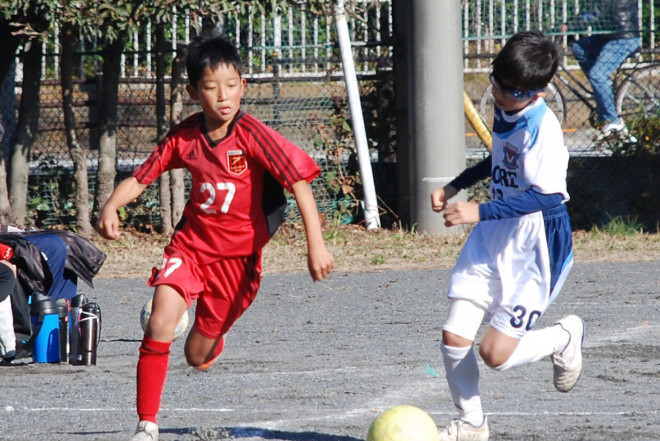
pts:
[528, 152]
[515, 267]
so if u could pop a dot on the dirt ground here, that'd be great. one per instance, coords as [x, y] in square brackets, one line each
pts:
[319, 361]
[356, 249]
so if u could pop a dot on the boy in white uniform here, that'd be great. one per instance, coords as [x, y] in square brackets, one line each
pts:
[516, 259]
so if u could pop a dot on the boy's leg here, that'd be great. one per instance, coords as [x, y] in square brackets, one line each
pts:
[231, 285]
[462, 371]
[201, 351]
[168, 307]
[502, 352]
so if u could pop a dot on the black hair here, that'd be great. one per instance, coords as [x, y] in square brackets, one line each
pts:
[210, 49]
[528, 61]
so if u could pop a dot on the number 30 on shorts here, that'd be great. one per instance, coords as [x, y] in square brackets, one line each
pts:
[522, 317]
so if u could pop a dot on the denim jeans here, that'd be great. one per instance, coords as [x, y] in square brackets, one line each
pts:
[599, 59]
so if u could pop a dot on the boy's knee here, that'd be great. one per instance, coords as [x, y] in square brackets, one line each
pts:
[194, 361]
[494, 357]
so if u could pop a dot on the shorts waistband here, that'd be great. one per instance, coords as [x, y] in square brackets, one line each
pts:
[552, 213]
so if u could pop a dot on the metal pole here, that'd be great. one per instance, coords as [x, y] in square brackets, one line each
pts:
[436, 105]
[371, 216]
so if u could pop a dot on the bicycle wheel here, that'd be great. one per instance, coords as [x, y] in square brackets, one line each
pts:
[639, 94]
[552, 97]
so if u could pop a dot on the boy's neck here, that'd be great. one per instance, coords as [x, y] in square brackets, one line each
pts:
[216, 131]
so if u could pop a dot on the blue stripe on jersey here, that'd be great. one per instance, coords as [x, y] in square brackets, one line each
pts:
[559, 237]
[531, 118]
[529, 201]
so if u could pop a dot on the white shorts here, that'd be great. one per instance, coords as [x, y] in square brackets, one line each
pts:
[514, 268]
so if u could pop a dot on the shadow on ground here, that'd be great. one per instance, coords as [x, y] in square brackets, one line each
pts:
[233, 433]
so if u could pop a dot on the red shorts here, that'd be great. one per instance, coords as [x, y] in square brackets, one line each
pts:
[223, 289]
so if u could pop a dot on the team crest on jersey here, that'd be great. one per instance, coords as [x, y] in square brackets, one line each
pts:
[237, 161]
[511, 156]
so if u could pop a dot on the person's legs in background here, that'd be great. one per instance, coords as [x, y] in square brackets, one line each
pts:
[7, 335]
[586, 50]
[610, 58]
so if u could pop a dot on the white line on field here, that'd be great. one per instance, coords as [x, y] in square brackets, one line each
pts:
[110, 409]
[325, 417]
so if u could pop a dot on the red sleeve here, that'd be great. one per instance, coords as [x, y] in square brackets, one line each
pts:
[287, 162]
[165, 156]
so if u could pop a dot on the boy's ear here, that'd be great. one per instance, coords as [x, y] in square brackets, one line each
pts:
[192, 91]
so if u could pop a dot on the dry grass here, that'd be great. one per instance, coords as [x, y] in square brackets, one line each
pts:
[355, 249]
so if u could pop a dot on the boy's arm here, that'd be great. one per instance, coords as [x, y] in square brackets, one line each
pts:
[128, 190]
[319, 260]
[467, 178]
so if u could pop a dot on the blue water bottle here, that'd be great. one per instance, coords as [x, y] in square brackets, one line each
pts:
[46, 326]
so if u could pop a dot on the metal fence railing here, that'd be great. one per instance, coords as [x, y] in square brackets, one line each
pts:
[295, 81]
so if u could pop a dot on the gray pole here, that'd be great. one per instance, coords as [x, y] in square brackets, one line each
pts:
[434, 147]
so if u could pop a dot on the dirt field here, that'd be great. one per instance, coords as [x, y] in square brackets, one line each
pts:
[355, 249]
[319, 361]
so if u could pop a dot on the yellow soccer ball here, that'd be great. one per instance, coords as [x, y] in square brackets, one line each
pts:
[146, 313]
[403, 423]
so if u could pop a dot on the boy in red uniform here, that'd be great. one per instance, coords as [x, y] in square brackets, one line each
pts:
[238, 167]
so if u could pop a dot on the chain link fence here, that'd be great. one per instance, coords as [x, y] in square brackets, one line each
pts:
[311, 112]
[298, 89]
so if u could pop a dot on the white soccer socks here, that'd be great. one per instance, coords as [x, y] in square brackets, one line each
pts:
[7, 336]
[536, 345]
[463, 378]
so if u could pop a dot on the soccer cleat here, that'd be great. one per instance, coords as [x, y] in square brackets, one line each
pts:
[568, 363]
[146, 431]
[218, 350]
[459, 430]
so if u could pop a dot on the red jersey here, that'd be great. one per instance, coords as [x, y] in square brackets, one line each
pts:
[233, 192]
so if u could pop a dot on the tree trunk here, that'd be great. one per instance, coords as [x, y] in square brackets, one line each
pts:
[162, 127]
[109, 100]
[177, 90]
[26, 132]
[77, 152]
[6, 61]
[8, 51]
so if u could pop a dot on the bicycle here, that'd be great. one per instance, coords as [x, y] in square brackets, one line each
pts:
[636, 87]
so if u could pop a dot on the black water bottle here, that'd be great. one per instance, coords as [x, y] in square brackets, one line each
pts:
[90, 333]
[74, 327]
[63, 310]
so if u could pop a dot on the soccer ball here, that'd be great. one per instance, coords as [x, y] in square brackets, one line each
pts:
[403, 423]
[146, 313]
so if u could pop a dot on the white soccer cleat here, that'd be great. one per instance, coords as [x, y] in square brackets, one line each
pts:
[568, 363]
[459, 430]
[146, 431]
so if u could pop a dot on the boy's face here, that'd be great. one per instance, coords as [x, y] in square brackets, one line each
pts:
[219, 91]
[505, 100]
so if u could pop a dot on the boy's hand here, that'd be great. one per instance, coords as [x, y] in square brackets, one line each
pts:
[320, 262]
[440, 196]
[461, 213]
[108, 224]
